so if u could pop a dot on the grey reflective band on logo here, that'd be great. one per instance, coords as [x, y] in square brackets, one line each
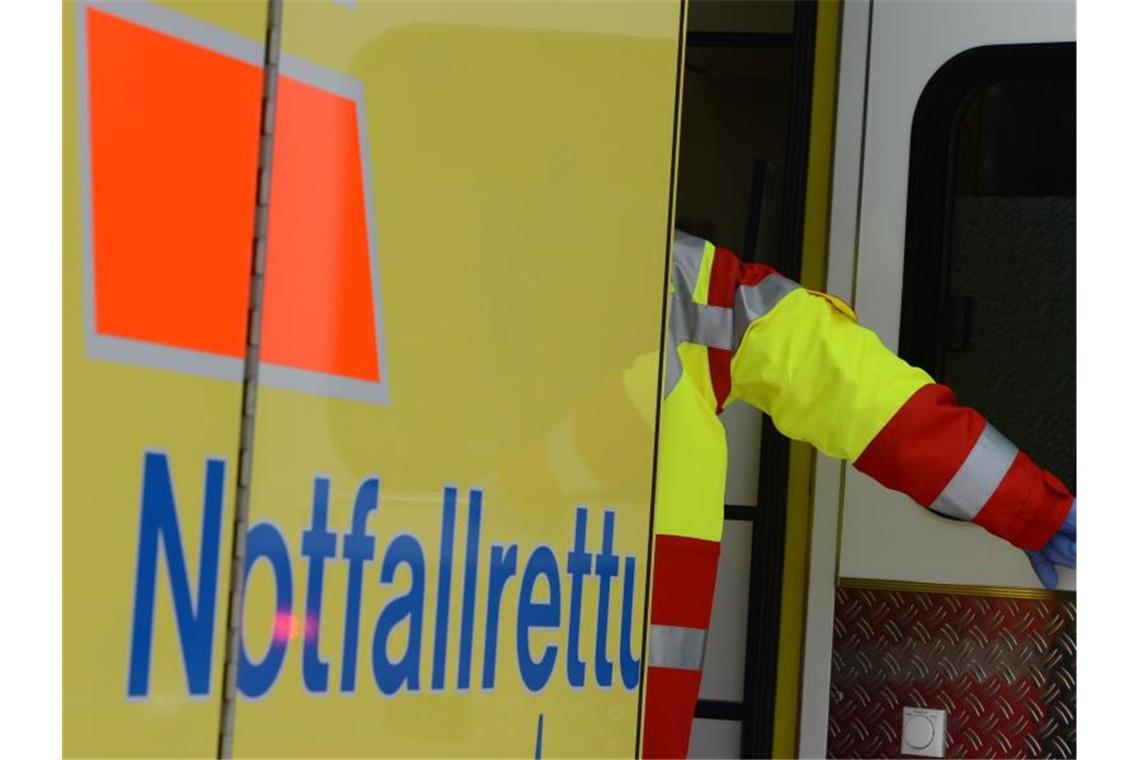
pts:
[978, 477]
[753, 302]
[675, 646]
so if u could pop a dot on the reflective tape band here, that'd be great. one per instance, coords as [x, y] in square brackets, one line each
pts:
[751, 303]
[978, 477]
[677, 647]
[691, 320]
[704, 325]
[720, 327]
[688, 253]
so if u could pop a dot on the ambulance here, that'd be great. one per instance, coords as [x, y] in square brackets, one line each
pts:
[346, 288]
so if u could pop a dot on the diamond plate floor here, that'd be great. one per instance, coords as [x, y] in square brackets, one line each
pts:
[1003, 669]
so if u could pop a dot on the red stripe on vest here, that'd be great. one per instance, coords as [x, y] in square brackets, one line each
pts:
[1028, 507]
[723, 278]
[752, 274]
[684, 573]
[720, 372]
[728, 273]
[923, 445]
[670, 701]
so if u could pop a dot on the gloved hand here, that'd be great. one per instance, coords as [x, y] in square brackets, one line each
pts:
[1061, 550]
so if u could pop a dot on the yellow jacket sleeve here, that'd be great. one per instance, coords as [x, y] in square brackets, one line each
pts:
[802, 358]
[821, 377]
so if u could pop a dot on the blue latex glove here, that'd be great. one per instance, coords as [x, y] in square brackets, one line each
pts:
[1061, 550]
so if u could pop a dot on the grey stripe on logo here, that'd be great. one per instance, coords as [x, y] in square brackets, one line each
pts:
[978, 477]
[675, 646]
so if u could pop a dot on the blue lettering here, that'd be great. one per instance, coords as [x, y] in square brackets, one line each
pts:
[393, 671]
[535, 673]
[470, 574]
[443, 591]
[159, 522]
[390, 676]
[357, 548]
[317, 544]
[606, 568]
[630, 665]
[578, 563]
[264, 540]
[503, 566]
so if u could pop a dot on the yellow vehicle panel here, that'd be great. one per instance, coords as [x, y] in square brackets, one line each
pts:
[416, 584]
[150, 427]
[457, 350]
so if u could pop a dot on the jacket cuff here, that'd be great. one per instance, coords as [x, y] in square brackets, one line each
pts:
[1028, 507]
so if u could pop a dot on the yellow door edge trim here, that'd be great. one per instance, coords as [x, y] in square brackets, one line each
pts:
[801, 466]
[956, 589]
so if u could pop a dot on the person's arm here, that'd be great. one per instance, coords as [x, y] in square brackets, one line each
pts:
[802, 358]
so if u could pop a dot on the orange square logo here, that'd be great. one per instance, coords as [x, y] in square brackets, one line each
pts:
[170, 111]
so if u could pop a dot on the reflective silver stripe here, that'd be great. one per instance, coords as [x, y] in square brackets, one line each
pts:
[753, 302]
[700, 324]
[978, 477]
[688, 251]
[711, 326]
[674, 646]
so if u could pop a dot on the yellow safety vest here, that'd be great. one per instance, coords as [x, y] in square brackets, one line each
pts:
[743, 331]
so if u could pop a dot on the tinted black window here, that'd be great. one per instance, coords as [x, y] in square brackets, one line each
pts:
[990, 292]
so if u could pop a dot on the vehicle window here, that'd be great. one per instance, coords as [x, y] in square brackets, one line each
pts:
[991, 242]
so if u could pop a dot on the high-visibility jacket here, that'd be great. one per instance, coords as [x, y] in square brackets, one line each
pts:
[743, 331]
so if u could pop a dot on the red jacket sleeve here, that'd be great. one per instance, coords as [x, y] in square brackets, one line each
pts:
[802, 358]
[949, 459]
